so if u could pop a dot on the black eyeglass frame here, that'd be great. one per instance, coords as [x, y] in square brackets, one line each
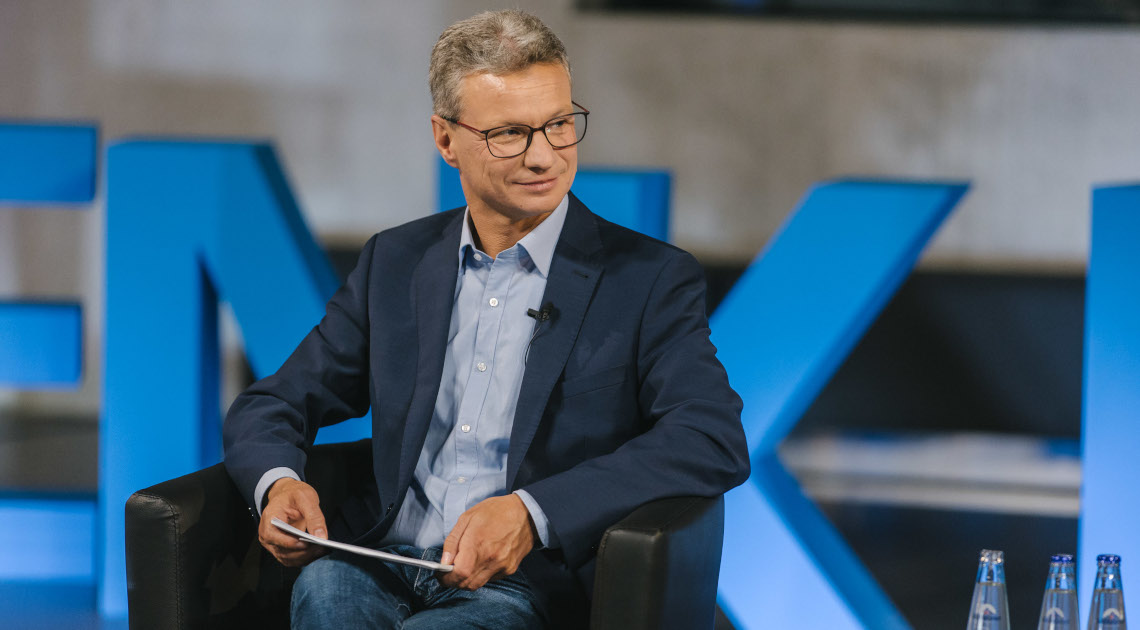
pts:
[533, 130]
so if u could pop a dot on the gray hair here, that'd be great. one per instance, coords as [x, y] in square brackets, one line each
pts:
[496, 42]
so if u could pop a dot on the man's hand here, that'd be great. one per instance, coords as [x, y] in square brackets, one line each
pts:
[488, 542]
[296, 503]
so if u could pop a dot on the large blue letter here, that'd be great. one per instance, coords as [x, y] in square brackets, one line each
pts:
[188, 223]
[43, 166]
[47, 163]
[1110, 497]
[41, 342]
[781, 333]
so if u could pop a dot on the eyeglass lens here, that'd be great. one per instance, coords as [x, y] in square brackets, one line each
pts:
[561, 132]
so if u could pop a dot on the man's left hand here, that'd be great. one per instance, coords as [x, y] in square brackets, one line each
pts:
[488, 542]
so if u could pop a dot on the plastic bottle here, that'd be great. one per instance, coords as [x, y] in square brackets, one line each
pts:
[1107, 610]
[989, 608]
[1059, 608]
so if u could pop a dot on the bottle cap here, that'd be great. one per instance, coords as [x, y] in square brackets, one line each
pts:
[1108, 558]
[1063, 558]
[991, 555]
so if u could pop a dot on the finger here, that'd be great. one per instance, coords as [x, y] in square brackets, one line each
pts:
[272, 538]
[289, 557]
[460, 572]
[479, 575]
[289, 548]
[491, 568]
[277, 538]
[464, 568]
[310, 507]
[303, 557]
[269, 534]
[451, 543]
[283, 555]
[449, 579]
[475, 582]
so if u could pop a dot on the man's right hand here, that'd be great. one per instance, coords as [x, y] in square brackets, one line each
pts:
[296, 503]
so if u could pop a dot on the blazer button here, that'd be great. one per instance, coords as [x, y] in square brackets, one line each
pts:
[388, 510]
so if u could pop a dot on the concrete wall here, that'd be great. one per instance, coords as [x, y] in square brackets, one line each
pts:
[747, 113]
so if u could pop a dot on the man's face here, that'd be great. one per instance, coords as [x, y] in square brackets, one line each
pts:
[523, 186]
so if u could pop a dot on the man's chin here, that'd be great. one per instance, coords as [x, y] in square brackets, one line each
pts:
[534, 205]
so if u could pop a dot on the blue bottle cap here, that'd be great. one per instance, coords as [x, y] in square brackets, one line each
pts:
[1062, 557]
[1108, 558]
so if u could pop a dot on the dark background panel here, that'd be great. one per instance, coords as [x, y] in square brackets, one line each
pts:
[1050, 11]
[926, 560]
[965, 352]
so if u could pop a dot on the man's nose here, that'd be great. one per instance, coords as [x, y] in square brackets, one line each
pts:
[540, 155]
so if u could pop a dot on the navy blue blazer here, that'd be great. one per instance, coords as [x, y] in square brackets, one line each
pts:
[622, 402]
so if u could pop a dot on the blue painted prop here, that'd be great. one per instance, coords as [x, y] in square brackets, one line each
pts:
[41, 344]
[47, 163]
[781, 333]
[1110, 435]
[47, 538]
[634, 198]
[187, 223]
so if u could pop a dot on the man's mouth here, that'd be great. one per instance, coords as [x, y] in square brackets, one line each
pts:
[541, 185]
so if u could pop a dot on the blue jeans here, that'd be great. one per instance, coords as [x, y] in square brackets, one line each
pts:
[343, 590]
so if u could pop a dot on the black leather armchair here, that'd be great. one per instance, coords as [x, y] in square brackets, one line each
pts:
[193, 560]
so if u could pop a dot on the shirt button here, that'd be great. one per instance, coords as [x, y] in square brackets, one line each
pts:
[493, 301]
[482, 367]
[461, 480]
[478, 257]
[465, 428]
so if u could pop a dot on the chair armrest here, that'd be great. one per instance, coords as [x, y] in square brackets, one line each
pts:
[658, 567]
[192, 551]
[193, 558]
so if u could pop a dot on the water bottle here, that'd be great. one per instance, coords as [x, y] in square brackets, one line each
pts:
[989, 608]
[1107, 610]
[1059, 610]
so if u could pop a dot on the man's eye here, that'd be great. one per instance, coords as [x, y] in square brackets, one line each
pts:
[506, 134]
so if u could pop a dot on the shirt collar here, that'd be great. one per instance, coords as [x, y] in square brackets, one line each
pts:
[539, 243]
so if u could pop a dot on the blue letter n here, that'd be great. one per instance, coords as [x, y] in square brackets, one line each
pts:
[188, 223]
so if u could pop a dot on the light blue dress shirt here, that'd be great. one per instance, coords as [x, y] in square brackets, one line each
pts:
[464, 457]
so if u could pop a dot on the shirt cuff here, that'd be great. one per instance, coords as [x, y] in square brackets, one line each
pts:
[270, 476]
[545, 535]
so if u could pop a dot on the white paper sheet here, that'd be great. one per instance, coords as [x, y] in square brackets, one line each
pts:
[363, 551]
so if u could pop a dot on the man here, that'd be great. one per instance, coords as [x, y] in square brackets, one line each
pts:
[534, 372]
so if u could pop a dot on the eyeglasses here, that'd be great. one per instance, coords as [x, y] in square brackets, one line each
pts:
[511, 141]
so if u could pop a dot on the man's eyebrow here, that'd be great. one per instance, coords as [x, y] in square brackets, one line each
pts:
[522, 124]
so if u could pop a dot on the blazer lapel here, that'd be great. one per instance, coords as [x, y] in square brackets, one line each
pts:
[574, 273]
[433, 291]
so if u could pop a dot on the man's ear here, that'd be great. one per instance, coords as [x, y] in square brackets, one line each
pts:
[441, 131]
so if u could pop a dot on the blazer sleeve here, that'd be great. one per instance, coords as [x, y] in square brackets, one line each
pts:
[323, 382]
[695, 446]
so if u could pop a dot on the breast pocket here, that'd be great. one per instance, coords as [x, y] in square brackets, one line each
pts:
[607, 377]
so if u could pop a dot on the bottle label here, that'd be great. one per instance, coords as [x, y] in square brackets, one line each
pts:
[986, 612]
[988, 609]
[1112, 617]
